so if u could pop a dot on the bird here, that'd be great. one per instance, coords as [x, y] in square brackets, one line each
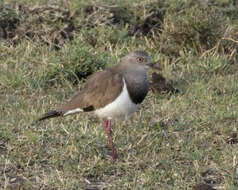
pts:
[115, 92]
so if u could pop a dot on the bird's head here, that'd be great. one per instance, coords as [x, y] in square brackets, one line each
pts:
[138, 58]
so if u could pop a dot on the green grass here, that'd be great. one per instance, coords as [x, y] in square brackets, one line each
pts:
[174, 141]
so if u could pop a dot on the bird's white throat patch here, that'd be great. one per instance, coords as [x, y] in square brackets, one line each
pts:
[121, 106]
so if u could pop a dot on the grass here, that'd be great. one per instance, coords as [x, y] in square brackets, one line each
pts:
[174, 141]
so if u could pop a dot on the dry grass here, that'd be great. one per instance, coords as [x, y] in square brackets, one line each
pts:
[174, 142]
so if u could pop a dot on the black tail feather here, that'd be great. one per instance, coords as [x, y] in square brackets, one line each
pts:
[50, 114]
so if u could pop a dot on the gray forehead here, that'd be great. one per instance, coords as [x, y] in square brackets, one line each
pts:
[138, 54]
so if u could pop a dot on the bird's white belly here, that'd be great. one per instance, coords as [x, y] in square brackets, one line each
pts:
[121, 106]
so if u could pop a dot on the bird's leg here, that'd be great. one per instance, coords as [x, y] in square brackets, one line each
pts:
[107, 128]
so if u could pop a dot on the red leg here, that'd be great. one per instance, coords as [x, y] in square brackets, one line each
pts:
[107, 128]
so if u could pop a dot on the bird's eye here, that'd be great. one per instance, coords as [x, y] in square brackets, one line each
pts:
[140, 59]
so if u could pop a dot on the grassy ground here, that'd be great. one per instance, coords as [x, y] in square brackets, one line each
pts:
[175, 141]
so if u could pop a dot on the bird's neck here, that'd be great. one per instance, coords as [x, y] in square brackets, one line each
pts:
[137, 82]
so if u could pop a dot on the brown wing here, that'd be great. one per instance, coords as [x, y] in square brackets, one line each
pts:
[100, 89]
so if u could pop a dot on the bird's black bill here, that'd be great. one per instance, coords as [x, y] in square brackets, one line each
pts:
[154, 65]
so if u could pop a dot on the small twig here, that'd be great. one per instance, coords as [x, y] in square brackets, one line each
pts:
[230, 39]
[208, 51]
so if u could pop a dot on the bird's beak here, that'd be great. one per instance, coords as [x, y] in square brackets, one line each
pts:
[153, 65]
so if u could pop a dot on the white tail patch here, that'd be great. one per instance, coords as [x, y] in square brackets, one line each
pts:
[73, 111]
